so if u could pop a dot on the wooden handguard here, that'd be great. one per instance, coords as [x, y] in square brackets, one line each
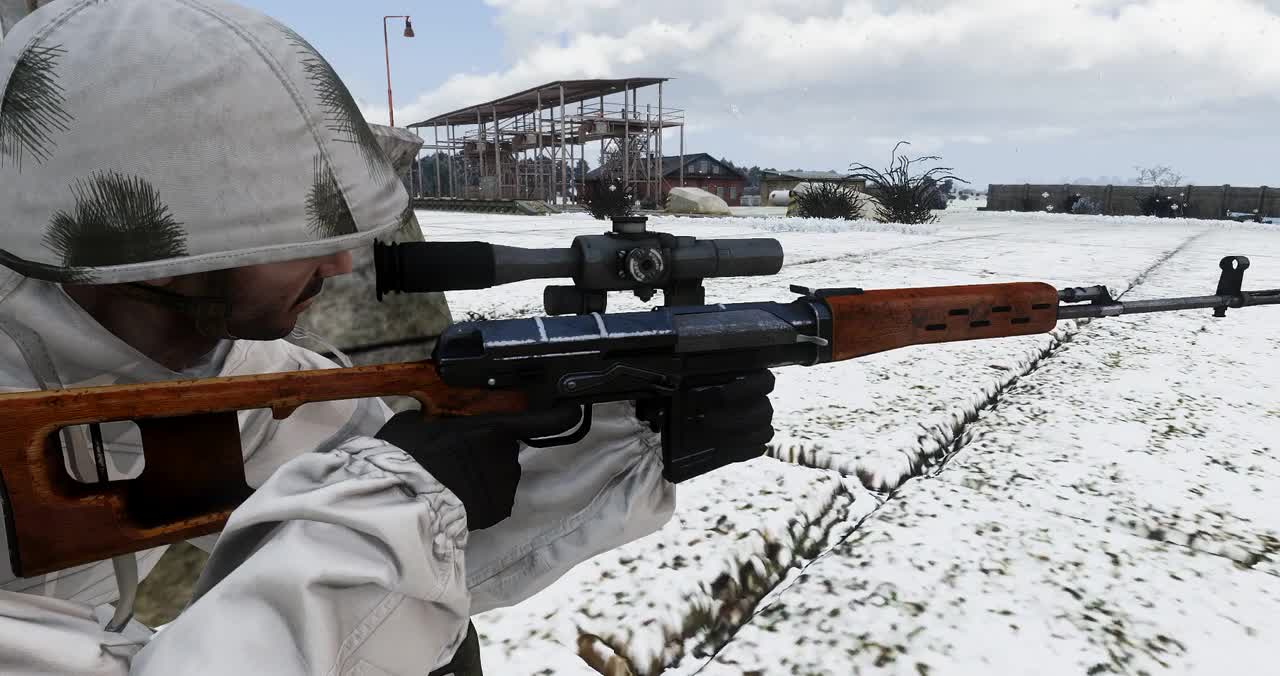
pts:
[194, 472]
[885, 319]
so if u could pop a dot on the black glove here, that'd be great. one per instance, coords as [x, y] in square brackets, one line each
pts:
[475, 456]
[712, 425]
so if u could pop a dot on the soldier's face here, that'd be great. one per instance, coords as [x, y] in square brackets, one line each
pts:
[267, 299]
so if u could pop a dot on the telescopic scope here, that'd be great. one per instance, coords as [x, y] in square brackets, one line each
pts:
[629, 258]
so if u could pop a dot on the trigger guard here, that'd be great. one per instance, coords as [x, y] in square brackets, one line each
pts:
[584, 427]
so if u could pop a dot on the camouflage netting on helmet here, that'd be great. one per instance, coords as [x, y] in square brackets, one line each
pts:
[148, 138]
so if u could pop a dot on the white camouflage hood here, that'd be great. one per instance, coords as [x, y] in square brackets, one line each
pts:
[149, 138]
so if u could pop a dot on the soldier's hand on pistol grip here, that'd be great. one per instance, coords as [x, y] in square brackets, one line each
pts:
[475, 457]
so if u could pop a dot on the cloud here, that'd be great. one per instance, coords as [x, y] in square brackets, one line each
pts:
[823, 74]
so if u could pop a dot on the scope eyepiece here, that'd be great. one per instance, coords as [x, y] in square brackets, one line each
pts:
[417, 267]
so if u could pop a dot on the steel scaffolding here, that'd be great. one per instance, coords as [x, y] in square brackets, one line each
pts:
[533, 144]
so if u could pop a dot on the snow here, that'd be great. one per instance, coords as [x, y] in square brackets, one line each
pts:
[1098, 499]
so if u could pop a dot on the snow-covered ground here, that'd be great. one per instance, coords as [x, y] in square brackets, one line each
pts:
[1096, 500]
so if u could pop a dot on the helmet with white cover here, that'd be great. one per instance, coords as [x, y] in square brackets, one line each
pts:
[143, 139]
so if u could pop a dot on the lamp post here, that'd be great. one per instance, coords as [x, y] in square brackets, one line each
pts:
[386, 45]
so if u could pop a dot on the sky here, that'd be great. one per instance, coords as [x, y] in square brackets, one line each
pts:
[1005, 91]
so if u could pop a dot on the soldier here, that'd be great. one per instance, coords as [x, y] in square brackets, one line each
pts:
[177, 180]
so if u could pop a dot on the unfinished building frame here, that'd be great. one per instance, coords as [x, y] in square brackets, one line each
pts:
[533, 144]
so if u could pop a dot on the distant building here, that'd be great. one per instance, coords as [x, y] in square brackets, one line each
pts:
[786, 180]
[526, 144]
[700, 171]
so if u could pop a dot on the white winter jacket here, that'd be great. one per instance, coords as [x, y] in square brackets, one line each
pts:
[348, 559]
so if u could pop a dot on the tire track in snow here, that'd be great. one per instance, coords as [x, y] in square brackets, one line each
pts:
[962, 435]
[940, 444]
[941, 440]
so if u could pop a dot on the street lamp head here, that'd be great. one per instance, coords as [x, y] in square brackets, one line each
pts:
[408, 28]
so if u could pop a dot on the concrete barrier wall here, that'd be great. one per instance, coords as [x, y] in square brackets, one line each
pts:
[1203, 201]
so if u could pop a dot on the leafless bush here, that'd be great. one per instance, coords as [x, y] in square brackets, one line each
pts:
[610, 201]
[830, 200]
[904, 196]
[1158, 175]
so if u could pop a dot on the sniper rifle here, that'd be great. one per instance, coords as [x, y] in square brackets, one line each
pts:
[578, 355]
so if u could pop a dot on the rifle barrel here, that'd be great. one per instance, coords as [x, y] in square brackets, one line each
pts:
[1115, 308]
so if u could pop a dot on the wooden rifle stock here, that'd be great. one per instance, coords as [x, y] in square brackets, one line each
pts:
[194, 472]
[886, 319]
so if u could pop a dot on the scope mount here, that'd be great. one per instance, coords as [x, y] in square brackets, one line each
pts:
[641, 261]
